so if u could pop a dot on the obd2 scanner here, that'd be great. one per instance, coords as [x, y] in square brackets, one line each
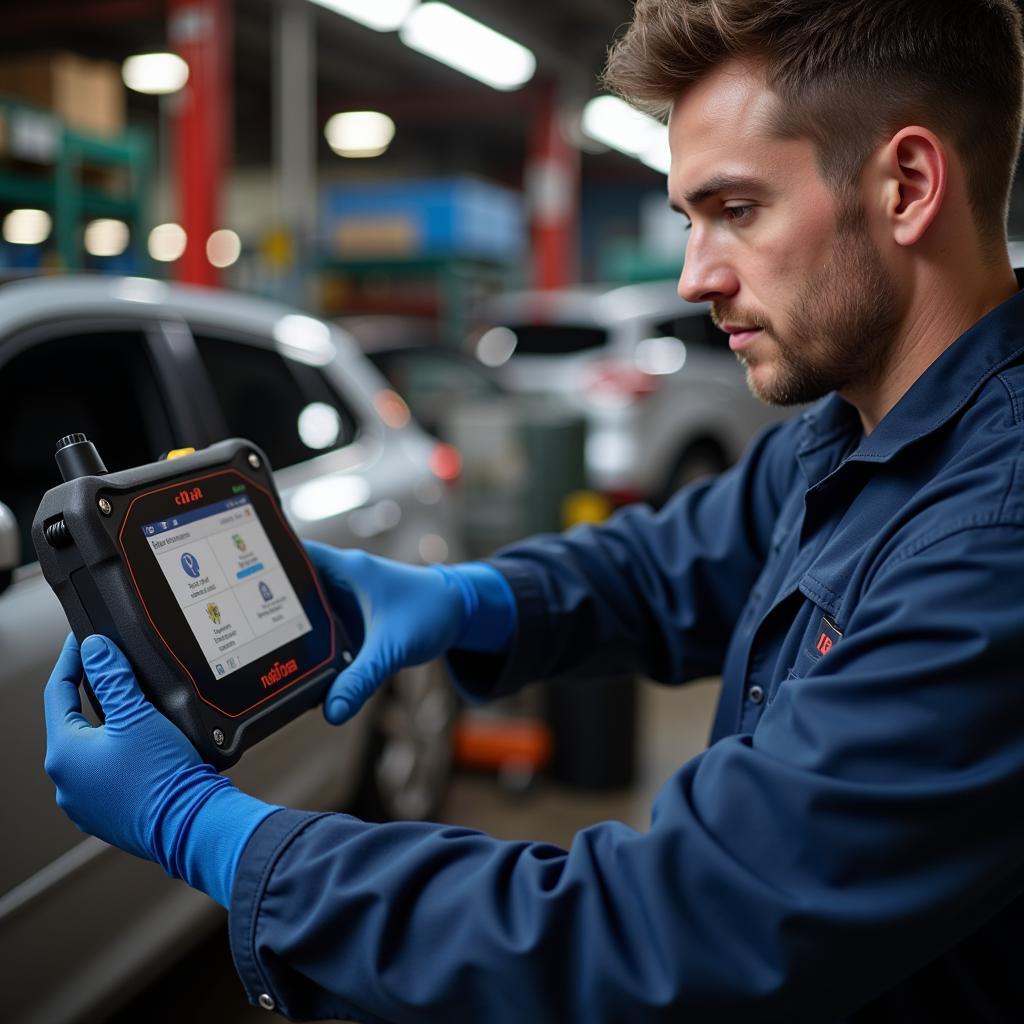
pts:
[189, 566]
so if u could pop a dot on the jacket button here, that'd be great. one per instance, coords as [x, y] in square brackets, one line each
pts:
[755, 694]
[266, 1002]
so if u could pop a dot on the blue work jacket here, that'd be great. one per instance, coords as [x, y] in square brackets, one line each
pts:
[851, 844]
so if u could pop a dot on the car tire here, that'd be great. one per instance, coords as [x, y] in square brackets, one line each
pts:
[408, 763]
[700, 460]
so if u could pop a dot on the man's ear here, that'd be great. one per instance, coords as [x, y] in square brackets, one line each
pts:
[914, 165]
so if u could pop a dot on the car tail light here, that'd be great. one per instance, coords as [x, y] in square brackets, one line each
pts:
[620, 496]
[612, 380]
[446, 463]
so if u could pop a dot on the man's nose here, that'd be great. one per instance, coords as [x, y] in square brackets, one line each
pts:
[706, 275]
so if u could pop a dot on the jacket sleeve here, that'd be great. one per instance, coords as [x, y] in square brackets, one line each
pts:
[650, 592]
[869, 823]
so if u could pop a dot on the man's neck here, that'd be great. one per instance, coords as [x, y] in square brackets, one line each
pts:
[931, 325]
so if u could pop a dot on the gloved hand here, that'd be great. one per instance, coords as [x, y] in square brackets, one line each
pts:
[408, 615]
[136, 782]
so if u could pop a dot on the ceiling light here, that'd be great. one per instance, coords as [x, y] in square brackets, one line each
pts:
[167, 242]
[615, 123]
[359, 133]
[106, 237]
[155, 74]
[27, 227]
[454, 39]
[382, 15]
[223, 248]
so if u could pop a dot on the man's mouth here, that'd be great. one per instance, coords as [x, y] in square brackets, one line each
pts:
[740, 337]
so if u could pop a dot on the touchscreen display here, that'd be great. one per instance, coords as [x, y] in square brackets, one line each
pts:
[228, 582]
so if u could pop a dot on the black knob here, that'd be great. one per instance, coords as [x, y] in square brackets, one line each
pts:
[70, 439]
[77, 456]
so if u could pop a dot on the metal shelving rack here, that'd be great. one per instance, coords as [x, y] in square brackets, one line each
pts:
[52, 161]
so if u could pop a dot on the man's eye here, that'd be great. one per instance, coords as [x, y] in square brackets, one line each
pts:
[738, 213]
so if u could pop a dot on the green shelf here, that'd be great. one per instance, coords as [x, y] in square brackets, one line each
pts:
[59, 185]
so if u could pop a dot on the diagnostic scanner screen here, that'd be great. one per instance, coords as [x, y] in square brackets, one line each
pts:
[228, 581]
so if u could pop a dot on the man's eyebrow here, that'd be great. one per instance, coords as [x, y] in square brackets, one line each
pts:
[719, 183]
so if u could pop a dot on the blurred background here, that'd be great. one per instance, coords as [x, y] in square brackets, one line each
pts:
[412, 250]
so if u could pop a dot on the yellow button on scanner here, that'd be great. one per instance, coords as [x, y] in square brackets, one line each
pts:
[176, 453]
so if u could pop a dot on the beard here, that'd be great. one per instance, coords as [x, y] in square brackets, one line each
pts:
[841, 327]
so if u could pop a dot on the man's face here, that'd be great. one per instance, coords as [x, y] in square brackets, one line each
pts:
[791, 270]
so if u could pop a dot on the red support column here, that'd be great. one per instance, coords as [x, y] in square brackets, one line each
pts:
[200, 32]
[552, 188]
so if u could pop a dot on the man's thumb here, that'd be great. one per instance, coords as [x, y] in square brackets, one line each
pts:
[111, 678]
[353, 687]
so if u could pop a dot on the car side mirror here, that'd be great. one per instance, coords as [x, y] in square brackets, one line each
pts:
[10, 546]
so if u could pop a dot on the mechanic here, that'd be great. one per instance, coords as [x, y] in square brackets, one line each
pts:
[851, 844]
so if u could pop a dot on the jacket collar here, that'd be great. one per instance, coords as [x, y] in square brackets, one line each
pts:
[831, 426]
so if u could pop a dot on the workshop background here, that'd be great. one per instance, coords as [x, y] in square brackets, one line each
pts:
[436, 208]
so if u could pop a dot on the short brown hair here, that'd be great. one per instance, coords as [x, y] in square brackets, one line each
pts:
[849, 73]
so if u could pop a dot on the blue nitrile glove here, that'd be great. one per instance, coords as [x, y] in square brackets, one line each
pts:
[136, 782]
[408, 615]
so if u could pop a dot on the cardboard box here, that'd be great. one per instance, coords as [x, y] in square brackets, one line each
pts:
[87, 95]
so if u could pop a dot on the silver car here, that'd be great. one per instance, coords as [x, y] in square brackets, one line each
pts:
[142, 367]
[664, 398]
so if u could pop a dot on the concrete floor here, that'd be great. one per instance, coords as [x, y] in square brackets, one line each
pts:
[673, 726]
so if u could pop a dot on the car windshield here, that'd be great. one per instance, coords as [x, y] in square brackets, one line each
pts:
[556, 339]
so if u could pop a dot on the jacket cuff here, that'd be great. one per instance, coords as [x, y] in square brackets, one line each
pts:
[264, 848]
[479, 676]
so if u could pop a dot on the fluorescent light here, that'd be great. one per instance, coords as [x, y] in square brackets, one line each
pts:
[155, 74]
[106, 237]
[615, 123]
[223, 248]
[167, 242]
[382, 15]
[359, 133]
[454, 39]
[27, 227]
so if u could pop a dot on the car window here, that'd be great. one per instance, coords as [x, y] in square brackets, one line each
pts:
[100, 383]
[695, 330]
[556, 339]
[288, 408]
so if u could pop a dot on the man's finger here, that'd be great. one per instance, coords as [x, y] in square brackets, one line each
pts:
[112, 680]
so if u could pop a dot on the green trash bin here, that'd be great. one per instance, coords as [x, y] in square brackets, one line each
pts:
[522, 458]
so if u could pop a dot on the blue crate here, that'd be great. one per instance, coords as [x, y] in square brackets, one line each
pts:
[423, 218]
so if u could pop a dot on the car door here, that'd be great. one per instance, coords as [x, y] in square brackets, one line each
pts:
[66, 898]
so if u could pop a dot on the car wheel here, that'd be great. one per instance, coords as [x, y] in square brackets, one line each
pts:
[409, 757]
[700, 460]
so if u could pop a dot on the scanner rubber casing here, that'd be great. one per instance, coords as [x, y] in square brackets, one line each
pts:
[90, 576]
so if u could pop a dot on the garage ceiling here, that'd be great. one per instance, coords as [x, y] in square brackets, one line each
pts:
[447, 122]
